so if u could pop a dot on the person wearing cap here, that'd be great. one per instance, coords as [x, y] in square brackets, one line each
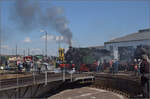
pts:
[145, 81]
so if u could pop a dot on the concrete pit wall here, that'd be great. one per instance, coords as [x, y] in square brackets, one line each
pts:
[33, 91]
[128, 85]
[123, 84]
[42, 90]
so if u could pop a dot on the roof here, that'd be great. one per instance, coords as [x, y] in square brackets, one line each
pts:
[98, 47]
[140, 35]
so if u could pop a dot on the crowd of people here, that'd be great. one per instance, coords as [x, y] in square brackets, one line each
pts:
[112, 65]
[22, 65]
[140, 68]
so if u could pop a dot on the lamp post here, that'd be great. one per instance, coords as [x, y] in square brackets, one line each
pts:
[16, 50]
[45, 42]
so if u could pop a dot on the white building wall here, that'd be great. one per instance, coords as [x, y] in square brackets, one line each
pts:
[114, 46]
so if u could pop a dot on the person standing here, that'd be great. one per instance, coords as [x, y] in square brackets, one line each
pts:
[100, 66]
[113, 67]
[25, 66]
[39, 66]
[18, 65]
[139, 64]
[116, 66]
[110, 65]
[6, 65]
[145, 81]
[28, 66]
[97, 65]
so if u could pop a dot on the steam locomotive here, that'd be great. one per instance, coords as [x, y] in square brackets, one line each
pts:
[82, 59]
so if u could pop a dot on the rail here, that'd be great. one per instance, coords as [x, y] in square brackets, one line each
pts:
[38, 79]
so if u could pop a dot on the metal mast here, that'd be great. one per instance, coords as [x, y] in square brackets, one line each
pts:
[45, 43]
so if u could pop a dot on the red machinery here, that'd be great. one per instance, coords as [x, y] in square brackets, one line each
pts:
[27, 58]
[67, 65]
[84, 68]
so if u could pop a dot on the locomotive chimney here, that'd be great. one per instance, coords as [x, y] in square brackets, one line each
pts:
[70, 45]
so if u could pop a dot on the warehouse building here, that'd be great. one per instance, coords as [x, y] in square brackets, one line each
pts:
[123, 48]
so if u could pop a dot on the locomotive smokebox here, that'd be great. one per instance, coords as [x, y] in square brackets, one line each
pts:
[70, 47]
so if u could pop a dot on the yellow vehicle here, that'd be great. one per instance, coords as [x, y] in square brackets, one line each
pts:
[62, 55]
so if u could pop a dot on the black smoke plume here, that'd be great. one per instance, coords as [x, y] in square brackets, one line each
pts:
[28, 15]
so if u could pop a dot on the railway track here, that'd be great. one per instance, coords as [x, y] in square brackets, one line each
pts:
[33, 79]
[21, 81]
[127, 86]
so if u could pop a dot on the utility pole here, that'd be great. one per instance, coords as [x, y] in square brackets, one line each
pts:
[59, 43]
[45, 44]
[28, 51]
[24, 53]
[16, 50]
[43, 52]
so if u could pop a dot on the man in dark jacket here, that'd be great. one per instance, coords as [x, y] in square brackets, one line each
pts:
[145, 81]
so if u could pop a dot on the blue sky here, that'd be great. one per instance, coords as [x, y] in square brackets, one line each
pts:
[91, 22]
